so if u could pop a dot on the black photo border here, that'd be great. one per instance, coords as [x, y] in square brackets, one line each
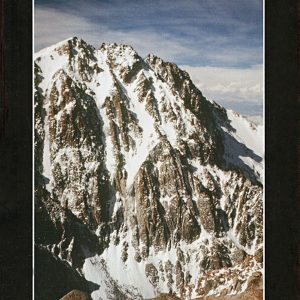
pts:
[16, 270]
[282, 115]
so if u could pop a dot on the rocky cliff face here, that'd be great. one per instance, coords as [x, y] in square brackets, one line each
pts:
[141, 184]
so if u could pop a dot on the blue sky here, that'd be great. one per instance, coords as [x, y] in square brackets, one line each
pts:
[203, 35]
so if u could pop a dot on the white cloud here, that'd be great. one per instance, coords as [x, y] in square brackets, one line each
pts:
[229, 86]
[52, 26]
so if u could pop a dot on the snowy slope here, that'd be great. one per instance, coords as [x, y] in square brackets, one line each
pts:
[250, 135]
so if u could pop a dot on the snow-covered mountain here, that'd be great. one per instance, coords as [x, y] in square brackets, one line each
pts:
[143, 185]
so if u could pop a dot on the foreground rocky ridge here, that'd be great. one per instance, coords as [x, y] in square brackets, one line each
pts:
[142, 184]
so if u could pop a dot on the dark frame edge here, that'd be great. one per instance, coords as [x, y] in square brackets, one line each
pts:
[16, 149]
[282, 151]
[3, 100]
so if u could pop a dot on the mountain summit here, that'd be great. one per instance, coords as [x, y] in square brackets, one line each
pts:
[142, 185]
